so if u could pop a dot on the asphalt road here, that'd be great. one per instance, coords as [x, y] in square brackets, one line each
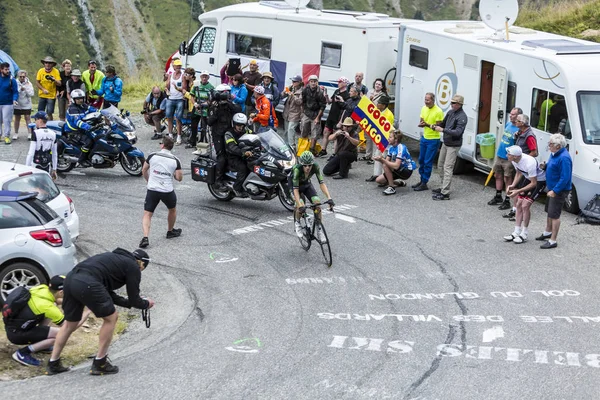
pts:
[424, 299]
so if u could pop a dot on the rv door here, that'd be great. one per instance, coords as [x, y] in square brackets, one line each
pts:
[498, 106]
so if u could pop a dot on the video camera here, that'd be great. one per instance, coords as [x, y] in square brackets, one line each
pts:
[221, 96]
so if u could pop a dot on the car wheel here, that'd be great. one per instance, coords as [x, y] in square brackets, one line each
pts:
[19, 274]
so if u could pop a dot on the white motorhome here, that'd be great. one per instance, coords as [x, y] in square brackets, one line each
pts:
[494, 75]
[340, 42]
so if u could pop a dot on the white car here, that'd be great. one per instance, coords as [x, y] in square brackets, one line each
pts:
[21, 178]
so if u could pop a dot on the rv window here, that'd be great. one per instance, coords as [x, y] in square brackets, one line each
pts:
[419, 57]
[589, 104]
[511, 97]
[204, 42]
[331, 55]
[548, 112]
[246, 45]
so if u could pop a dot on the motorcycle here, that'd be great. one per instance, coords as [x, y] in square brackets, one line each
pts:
[270, 167]
[112, 143]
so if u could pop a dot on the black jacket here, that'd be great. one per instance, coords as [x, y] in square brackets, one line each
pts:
[115, 270]
[220, 115]
[454, 125]
[313, 101]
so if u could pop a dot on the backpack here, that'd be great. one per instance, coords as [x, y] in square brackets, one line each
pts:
[591, 213]
[14, 310]
[42, 157]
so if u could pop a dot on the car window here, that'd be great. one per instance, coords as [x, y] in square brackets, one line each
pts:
[14, 215]
[40, 183]
[44, 213]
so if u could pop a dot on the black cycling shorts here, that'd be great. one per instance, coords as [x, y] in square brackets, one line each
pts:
[533, 194]
[84, 290]
[154, 197]
[403, 173]
[31, 336]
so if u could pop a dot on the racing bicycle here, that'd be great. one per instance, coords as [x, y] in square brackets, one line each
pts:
[310, 225]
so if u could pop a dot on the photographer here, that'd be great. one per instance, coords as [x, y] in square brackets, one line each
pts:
[47, 80]
[201, 93]
[220, 114]
[154, 110]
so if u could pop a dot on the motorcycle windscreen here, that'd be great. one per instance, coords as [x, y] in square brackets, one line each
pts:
[275, 145]
[113, 115]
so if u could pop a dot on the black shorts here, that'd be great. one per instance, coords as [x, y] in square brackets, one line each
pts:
[403, 173]
[33, 335]
[533, 194]
[153, 198]
[84, 290]
[22, 112]
[555, 204]
[307, 190]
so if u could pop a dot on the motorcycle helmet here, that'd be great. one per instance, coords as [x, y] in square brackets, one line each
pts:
[77, 94]
[239, 119]
[306, 158]
[259, 90]
[223, 88]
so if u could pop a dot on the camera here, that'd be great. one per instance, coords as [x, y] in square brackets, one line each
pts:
[221, 96]
[143, 112]
[50, 78]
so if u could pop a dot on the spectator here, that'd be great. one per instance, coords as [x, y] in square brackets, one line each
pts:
[93, 81]
[175, 99]
[92, 284]
[9, 96]
[382, 106]
[201, 94]
[189, 77]
[379, 91]
[559, 174]
[47, 81]
[529, 183]
[337, 102]
[74, 83]
[313, 105]
[265, 113]
[430, 141]
[271, 89]
[43, 152]
[525, 138]
[545, 110]
[23, 108]
[62, 98]
[111, 89]
[227, 79]
[503, 169]
[360, 88]
[159, 171]
[453, 128]
[41, 310]
[239, 93]
[292, 110]
[558, 112]
[155, 105]
[346, 144]
[397, 164]
[251, 79]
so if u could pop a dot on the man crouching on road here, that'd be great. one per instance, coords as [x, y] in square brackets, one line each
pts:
[91, 284]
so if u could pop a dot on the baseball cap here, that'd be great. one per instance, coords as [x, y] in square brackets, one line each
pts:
[141, 255]
[177, 62]
[204, 73]
[57, 282]
[41, 115]
[253, 62]
[296, 78]
[313, 78]
[343, 79]
[514, 151]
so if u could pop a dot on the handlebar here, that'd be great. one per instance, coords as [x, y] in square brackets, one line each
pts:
[318, 205]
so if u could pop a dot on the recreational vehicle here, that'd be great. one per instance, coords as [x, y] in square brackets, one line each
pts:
[531, 70]
[292, 41]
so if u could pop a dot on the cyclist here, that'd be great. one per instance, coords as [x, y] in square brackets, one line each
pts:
[300, 180]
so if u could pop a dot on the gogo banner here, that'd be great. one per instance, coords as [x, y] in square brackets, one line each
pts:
[372, 122]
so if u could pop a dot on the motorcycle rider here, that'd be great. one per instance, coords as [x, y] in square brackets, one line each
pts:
[220, 115]
[75, 113]
[237, 153]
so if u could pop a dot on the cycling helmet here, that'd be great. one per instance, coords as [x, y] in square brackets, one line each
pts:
[240, 119]
[223, 88]
[77, 94]
[259, 90]
[306, 158]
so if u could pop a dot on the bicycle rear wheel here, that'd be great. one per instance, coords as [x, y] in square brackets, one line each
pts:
[305, 241]
[325, 248]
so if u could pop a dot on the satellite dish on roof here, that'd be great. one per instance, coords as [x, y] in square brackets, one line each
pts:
[498, 14]
[297, 4]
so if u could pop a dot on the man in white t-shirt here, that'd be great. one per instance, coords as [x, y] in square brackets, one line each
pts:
[159, 171]
[529, 183]
[43, 153]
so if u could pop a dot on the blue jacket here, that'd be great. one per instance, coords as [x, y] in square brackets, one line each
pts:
[241, 93]
[559, 171]
[75, 116]
[7, 97]
[115, 95]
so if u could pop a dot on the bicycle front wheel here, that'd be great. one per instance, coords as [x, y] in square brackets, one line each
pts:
[305, 241]
[325, 248]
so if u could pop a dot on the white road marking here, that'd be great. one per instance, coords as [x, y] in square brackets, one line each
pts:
[75, 173]
[346, 218]
[489, 335]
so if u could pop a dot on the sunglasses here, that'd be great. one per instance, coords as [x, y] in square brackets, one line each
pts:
[453, 102]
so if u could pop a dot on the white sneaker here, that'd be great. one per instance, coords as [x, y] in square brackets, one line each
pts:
[15, 137]
[299, 230]
[178, 142]
[520, 239]
[321, 235]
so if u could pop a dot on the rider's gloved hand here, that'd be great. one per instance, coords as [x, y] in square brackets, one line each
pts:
[331, 203]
